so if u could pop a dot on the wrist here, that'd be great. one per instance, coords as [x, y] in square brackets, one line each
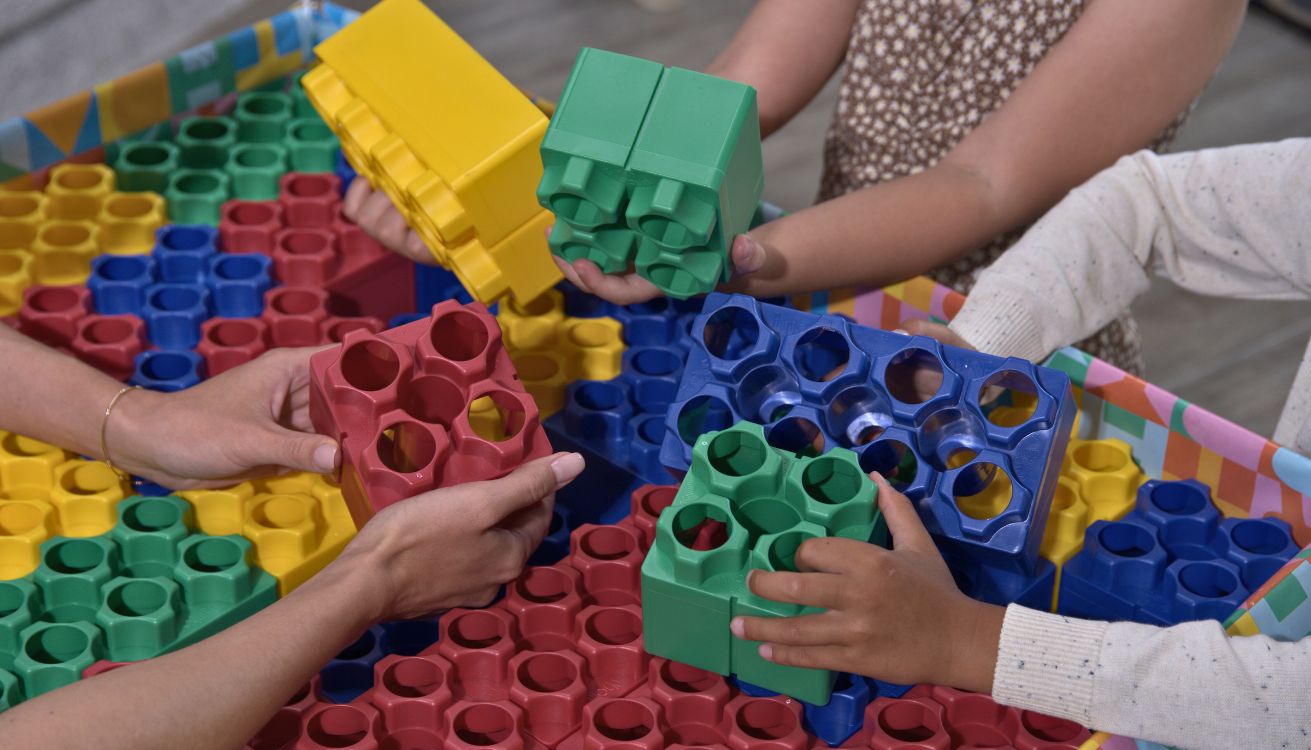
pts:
[127, 429]
[353, 586]
[975, 643]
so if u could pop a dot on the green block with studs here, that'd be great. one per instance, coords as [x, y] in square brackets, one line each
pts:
[255, 169]
[262, 116]
[206, 141]
[146, 166]
[20, 606]
[11, 692]
[196, 196]
[311, 145]
[55, 653]
[670, 156]
[745, 505]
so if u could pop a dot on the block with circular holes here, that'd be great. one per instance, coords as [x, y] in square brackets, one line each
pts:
[1172, 559]
[744, 505]
[651, 168]
[911, 408]
[429, 404]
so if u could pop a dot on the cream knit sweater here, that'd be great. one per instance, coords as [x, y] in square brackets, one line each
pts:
[1233, 222]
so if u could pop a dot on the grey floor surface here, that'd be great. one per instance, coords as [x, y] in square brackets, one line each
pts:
[1236, 358]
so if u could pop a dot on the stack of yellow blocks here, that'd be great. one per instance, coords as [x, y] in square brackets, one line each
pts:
[451, 142]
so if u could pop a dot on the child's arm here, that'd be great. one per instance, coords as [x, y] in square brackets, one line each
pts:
[897, 615]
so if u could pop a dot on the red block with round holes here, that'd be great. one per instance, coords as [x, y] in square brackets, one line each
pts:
[692, 699]
[610, 639]
[334, 329]
[914, 723]
[545, 602]
[412, 691]
[250, 226]
[630, 723]
[284, 728]
[295, 315]
[549, 686]
[309, 199]
[772, 723]
[482, 724]
[425, 405]
[646, 504]
[50, 314]
[610, 561]
[478, 643]
[305, 256]
[226, 343]
[354, 725]
[110, 343]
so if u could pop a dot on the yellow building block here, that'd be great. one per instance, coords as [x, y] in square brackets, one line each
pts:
[128, 222]
[422, 116]
[76, 191]
[23, 207]
[297, 533]
[550, 350]
[220, 512]
[86, 495]
[15, 277]
[63, 250]
[28, 463]
[24, 525]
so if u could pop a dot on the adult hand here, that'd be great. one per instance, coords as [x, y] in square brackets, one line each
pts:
[250, 421]
[895, 614]
[374, 212]
[456, 546]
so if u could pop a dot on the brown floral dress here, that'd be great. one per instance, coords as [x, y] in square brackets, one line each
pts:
[920, 75]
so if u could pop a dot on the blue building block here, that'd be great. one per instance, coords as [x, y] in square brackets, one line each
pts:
[816, 382]
[237, 283]
[182, 252]
[168, 371]
[350, 673]
[433, 284]
[409, 637]
[844, 713]
[1172, 559]
[346, 174]
[118, 283]
[173, 314]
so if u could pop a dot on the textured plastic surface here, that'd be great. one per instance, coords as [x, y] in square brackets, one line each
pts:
[196, 196]
[746, 505]
[118, 284]
[50, 314]
[182, 252]
[128, 222]
[76, 191]
[110, 343]
[465, 183]
[1174, 558]
[146, 166]
[653, 167]
[818, 382]
[168, 370]
[226, 343]
[62, 251]
[173, 314]
[254, 170]
[432, 403]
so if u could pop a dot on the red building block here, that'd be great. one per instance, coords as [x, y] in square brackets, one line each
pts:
[309, 199]
[250, 226]
[480, 725]
[353, 725]
[294, 315]
[764, 724]
[647, 502]
[618, 724]
[228, 342]
[412, 691]
[50, 313]
[305, 256]
[610, 561]
[426, 405]
[610, 638]
[549, 686]
[917, 723]
[335, 328]
[110, 343]
[284, 728]
[478, 643]
[545, 602]
[693, 701]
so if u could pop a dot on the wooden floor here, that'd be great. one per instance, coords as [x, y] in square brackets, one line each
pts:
[1236, 358]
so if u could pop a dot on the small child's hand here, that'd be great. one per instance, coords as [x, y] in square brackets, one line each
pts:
[374, 212]
[895, 615]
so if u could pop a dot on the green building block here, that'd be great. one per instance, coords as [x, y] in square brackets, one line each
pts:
[148, 533]
[70, 576]
[220, 586]
[262, 116]
[20, 606]
[255, 169]
[669, 156]
[11, 693]
[196, 196]
[140, 617]
[300, 103]
[206, 141]
[146, 166]
[745, 505]
[310, 145]
[54, 655]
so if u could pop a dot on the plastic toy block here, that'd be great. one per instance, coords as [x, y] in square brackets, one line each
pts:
[204, 142]
[354, 725]
[844, 713]
[465, 183]
[50, 313]
[646, 505]
[555, 544]
[350, 673]
[22, 207]
[226, 343]
[1171, 559]
[411, 691]
[182, 252]
[237, 283]
[545, 602]
[746, 505]
[262, 116]
[28, 463]
[310, 145]
[610, 640]
[10, 693]
[86, 495]
[334, 329]
[76, 191]
[196, 196]
[54, 655]
[346, 174]
[168, 371]
[305, 257]
[146, 165]
[128, 222]
[309, 200]
[249, 226]
[479, 644]
[15, 277]
[662, 179]
[297, 533]
[118, 283]
[255, 169]
[295, 315]
[609, 559]
[816, 382]
[63, 250]
[173, 314]
[26, 524]
[432, 403]
[371, 280]
[409, 637]
[433, 284]
[110, 343]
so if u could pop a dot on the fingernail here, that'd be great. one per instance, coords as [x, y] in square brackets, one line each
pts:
[749, 574]
[325, 458]
[766, 652]
[566, 467]
[738, 627]
[751, 256]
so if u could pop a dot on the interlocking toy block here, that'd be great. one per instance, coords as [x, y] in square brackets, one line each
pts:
[15, 278]
[128, 222]
[433, 284]
[168, 371]
[196, 196]
[334, 329]
[350, 673]
[182, 252]
[237, 283]
[653, 167]
[204, 142]
[118, 284]
[746, 505]
[817, 382]
[423, 406]
[249, 226]
[305, 257]
[146, 165]
[262, 116]
[49, 314]
[1172, 559]
[295, 315]
[174, 313]
[22, 207]
[27, 524]
[63, 250]
[110, 343]
[76, 191]
[85, 495]
[255, 169]
[461, 161]
[346, 174]
[309, 200]
[28, 463]
[550, 350]
[310, 145]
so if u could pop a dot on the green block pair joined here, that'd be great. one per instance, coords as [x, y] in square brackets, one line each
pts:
[149, 586]
[651, 167]
[745, 505]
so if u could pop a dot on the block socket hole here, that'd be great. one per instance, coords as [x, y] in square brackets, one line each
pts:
[497, 416]
[702, 414]
[1012, 389]
[613, 626]
[338, 726]
[434, 399]
[1259, 537]
[233, 333]
[701, 527]
[982, 491]
[107, 331]
[687, 679]
[831, 481]
[796, 435]
[413, 678]
[893, 459]
[1100, 457]
[1208, 580]
[546, 673]
[782, 552]
[906, 721]
[766, 719]
[607, 543]
[730, 332]
[213, 555]
[370, 365]
[114, 268]
[914, 376]
[56, 644]
[821, 354]
[543, 585]
[477, 630]
[656, 363]
[1126, 540]
[151, 514]
[459, 336]
[137, 598]
[623, 720]
[406, 447]
[1178, 499]
[74, 556]
[483, 725]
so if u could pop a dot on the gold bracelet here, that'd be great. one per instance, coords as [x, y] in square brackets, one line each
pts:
[104, 426]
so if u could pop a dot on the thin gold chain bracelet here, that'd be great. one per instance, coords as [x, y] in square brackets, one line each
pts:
[104, 426]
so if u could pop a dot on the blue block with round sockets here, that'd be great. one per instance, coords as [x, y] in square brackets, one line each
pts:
[913, 409]
[1172, 559]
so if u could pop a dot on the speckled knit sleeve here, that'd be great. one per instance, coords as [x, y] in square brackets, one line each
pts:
[1231, 222]
[1189, 686]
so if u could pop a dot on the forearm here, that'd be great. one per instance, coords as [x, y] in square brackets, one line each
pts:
[214, 694]
[787, 68]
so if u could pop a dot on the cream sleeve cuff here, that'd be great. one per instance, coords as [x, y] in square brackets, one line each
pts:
[1047, 663]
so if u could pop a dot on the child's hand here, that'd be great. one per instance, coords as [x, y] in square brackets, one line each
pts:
[937, 331]
[895, 615]
[379, 219]
[748, 256]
